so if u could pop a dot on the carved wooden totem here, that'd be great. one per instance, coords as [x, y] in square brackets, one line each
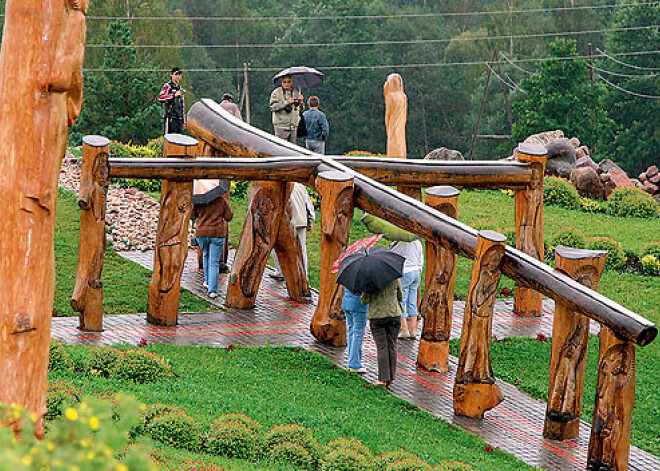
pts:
[437, 304]
[529, 225]
[609, 444]
[336, 190]
[171, 237]
[40, 95]
[475, 390]
[87, 296]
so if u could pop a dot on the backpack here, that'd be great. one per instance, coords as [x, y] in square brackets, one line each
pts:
[302, 127]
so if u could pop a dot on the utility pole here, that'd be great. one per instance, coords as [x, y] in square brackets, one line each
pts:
[504, 92]
[246, 90]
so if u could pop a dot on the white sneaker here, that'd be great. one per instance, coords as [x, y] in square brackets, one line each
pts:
[213, 295]
[205, 285]
[359, 371]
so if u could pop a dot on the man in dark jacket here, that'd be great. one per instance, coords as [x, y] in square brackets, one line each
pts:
[317, 126]
[171, 95]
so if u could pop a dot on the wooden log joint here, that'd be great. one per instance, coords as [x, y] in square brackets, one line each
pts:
[336, 190]
[437, 303]
[171, 237]
[529, 225]
[570, 335]
[87, 298]
[475, 390]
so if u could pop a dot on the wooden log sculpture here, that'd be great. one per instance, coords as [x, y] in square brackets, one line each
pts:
[171, 237]
[437, 304]
[609, 444]
[570, 334]
[41, 96]
[87, 296]
[529, 225]
[475, 390]
[336, 191]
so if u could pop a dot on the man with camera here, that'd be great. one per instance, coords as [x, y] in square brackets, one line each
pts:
[286, 105]
[171, 96]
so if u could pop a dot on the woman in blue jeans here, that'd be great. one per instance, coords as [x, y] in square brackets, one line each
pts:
[356, 321]
[412, 276]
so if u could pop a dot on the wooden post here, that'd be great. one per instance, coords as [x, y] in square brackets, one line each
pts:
[171, 237]
[438, 301]
[529, 225]
[336, 191]
[43, 47]
[475, 390]
[609, 444]
[570, 335]
[87, 296]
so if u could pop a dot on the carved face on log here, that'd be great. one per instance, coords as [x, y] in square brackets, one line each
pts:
[588, 276]
[344, 215]
[100, 171]
[618, 364]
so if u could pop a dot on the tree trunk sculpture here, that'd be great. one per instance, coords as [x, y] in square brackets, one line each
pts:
[336, 191]
[438, 301]
[41, 96]
[87, 296]
[475, 390]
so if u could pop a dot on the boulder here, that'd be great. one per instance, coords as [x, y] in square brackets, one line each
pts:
[642, 177]
[444, 154]
[650, 188]
[620, 178]
[545, 138]
[606, 166]
[588, 183]
[652, 171]
[586, 161]
[655, 178]
[561, 158]
[575, 141]
[582, 151]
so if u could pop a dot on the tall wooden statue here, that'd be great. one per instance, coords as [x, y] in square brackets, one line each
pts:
[336, 190]
[438, 301]
[87, 296]
[171, 237]
[475, 390]
[529, 225]
[570, 334]
[40, 96]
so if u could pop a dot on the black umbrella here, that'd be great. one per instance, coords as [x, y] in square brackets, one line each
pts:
[207, 191]
[370, 270]
[303, 77]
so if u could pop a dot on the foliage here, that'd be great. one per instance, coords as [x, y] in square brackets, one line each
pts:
[60, 395]
[567, 236]
[102, 361]
[651, 264]
[239, 188]
[295, 434]
[58, 357]
[400, 460]
[351, 444]
[652, 248]
[592, 206]
[345, 459]
[616, 257]
[560, 192]
[156, 146]
[233, 439]
[291, 453]
[632, 202]
[176, 429]
[451, 465]
[152, 150]
[141, 366]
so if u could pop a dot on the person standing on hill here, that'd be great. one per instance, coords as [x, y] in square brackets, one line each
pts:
[285, 105]
[316, 124]
[171, 96]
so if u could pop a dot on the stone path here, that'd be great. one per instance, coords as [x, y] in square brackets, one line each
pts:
[514, 426]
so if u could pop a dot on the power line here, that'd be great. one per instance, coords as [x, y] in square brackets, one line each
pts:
[369, 43]
[616, 74]
[640, 95]
[528, 72]
[512, 85]
[630, 66]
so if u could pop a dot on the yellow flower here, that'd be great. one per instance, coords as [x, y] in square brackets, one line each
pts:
[122, 467]
[94, 423]
[50, 446]
[27, 459]
[91, 455]
[71, 414]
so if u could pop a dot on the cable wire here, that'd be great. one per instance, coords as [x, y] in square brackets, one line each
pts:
[640, 95]
[528, 72]
[630, 66]
[616, 74]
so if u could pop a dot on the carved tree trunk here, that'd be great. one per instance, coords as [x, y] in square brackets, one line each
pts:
[289, 254]
[438, 301]
[336, 191]
[475, 390]
[171, 237]
[40, 95]
[609, 444]
[570, 335]
[529, 225]
[87, 296]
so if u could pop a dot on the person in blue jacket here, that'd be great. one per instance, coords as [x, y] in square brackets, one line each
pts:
[316, 124]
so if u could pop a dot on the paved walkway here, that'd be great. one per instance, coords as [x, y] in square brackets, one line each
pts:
[515, 425]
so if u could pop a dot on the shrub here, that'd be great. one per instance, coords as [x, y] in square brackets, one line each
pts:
[451, 465]
[102, 360]
[59, 359]
[484, 225]
[239, 188]
[568, 236]
[175, 429]
[560, 192]
[60, 395]
[291, 453]
[345, 459]
[592, 206]
[141, 366]
[616, 257]
[156, 146]
[117, 149]
[652, 248]
[294, 433]
[241, 419]
[349, 444]
[401, 460]
[651, 265]
[641, 205]
[233, 439]
[158, 409]
[362, 153]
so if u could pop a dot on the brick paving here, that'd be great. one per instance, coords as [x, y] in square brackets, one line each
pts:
[514, 426]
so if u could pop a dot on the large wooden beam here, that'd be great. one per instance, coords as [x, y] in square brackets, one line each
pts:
[207, 119]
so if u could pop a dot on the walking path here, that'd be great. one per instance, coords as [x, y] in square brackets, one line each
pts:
[515, 426]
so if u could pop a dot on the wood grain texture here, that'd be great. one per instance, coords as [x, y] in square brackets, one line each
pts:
[396, 116]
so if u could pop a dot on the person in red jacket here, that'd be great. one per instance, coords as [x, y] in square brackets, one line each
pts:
[171, 96]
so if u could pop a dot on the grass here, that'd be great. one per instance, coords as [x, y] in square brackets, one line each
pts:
[280, 385]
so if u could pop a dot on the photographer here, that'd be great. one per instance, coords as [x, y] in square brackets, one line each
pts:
[171, 95]
[286, 105]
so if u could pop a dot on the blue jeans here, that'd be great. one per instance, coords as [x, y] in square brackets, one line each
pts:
[356, 322]
[315, 145]
[212, 251]
[410, 283]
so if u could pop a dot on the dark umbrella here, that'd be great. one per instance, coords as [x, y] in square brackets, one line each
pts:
[303, 77]
[370, 270]
[206, 192]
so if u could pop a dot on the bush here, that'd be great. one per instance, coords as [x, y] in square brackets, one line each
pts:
[59, 359]
[616, 257]
[239, 188]
[651, 265]
[150, 151]
[291, 453]
[232, 439]
[592, 206]
[294, 433]
[401, 460]
[60, 395]
[156, 146]
[345, 459]
[568, 236]
[157, 410]
[640, 205]
[241, 419]
[652, 248]
[560, 192]
[101, 361]
[175, 429]
[451, 465]
[350, 444]
[141, 366]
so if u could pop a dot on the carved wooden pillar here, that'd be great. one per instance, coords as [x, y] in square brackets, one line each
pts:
[87, 296]
[336, 191]
[262, 224]
[171, 237]
[43, 47]
[570, 334]
[475, 390]
[437, 303]
[609, 444]
[529, 225]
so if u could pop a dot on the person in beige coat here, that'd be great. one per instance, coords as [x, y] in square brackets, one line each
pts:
[286, 105]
